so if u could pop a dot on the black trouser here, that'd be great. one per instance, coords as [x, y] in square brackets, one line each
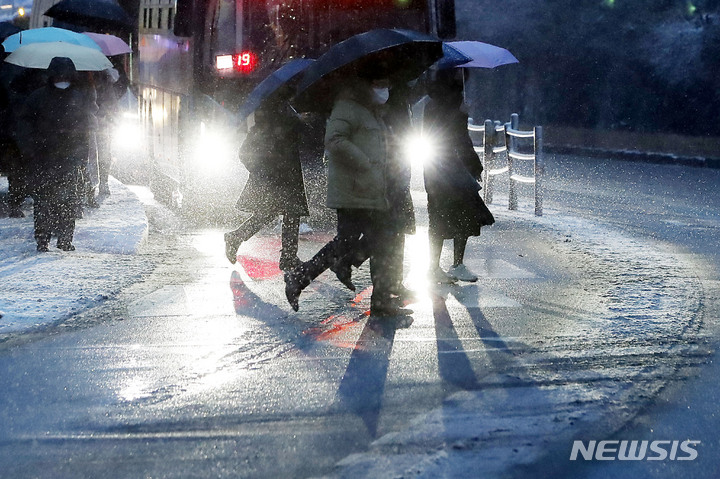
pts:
[18, 188]
[55, 201]
[104, 156]
[83, 182]
[396, 257]
[357, 230]
[17, 174]
[290, 230]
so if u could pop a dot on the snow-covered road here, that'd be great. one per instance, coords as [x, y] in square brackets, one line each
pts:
[580, 319]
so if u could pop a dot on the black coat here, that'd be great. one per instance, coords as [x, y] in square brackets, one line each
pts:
[271, 154]
[54, 129]
[451, 178]
[398, 118]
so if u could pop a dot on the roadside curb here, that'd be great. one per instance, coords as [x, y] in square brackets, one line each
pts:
[637, 156]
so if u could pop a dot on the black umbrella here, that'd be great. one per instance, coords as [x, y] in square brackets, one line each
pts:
[93, 14]
[397, 54]
[7, 29]
[271, 84]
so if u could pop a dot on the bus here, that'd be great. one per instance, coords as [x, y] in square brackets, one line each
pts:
[198, 60]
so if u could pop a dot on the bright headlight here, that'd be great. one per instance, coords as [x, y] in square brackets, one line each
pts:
[213, 150]
[128, 135]
[418, 148]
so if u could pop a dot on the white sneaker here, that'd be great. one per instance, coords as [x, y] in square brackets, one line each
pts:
[436, 275]
[462, 273]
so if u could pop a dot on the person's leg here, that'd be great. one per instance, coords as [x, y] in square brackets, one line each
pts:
[248, 229]
[351, 224]
[382, 242]
[435, 273]
[355, 257]
[436, 244]
[104, 140]
[288, 254]
[17, 191]
[82, 186]
[459, 270]
[459, 244]
[397, 271]
[41, 216]
[63, 206]
[17, 176]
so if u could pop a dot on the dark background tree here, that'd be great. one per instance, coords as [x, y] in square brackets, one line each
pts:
[633, 65]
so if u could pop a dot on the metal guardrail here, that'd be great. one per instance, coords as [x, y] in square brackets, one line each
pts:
[507, 140]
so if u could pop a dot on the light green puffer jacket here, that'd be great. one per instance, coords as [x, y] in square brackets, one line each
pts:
[356, 152]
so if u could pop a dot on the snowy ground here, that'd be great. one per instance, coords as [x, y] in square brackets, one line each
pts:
[653, 291]
[38, 289]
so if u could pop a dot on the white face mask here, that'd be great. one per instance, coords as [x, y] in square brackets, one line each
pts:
[381, 95]
[62, 85]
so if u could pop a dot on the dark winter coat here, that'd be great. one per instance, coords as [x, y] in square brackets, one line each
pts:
[399, 122]
[107, 99]
[5, 113]
[17, 84]
[54, 129]
[451, 177]
[271, 155]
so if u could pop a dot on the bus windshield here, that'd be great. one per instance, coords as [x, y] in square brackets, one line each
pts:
[271, 32]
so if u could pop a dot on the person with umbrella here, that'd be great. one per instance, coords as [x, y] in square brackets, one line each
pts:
[55, 127]
[397, 115]
[455, 209]
[275, 186]
[11, 161]
[107, 101]
[356, 150]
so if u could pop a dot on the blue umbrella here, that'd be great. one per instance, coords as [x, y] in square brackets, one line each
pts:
[451, 58]
[479, 54]
[271, 84]
[45, 35]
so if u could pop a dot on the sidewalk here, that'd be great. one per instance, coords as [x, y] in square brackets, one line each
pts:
[37, 290]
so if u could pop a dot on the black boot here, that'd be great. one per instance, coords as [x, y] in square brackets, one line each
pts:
[16, 212]
[43, 242]
[389, 307]
[344, 273]
[65, 246]
[232, 244]
[293, 290]
[295, 281]
[289, 263]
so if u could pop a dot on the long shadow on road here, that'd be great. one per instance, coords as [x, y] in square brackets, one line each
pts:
[455, 367]
[362, 387]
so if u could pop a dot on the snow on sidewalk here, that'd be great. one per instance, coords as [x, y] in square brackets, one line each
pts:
[39, 289]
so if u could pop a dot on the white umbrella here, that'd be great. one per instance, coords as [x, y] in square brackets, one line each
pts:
[39, 55]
